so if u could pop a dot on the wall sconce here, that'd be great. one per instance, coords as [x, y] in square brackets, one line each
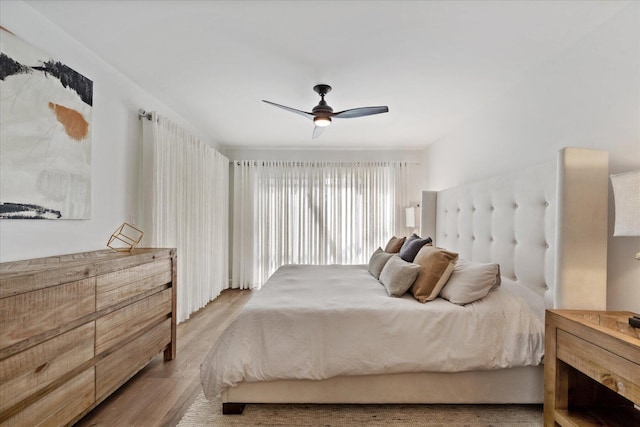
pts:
[626, 195]
[411, 219]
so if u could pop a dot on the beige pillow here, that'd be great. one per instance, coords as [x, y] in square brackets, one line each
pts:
[470, 281]
[394, 245]
[436, 265]
[398, 275]
[377, 262]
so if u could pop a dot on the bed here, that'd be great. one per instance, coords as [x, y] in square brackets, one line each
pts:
[545, 226]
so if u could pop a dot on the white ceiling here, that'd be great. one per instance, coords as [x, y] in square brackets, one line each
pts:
[432, 62]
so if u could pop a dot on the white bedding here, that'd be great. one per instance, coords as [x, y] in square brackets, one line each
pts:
[318, 322]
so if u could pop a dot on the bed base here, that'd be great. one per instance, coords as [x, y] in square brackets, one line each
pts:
[513, 385]
[229, 408]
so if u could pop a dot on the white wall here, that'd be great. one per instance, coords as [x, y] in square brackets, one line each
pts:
[589, 96]
[115, 134]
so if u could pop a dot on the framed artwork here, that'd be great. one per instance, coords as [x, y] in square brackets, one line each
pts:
[45, 135]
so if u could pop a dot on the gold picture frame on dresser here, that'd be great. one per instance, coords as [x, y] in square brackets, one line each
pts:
[592, 369]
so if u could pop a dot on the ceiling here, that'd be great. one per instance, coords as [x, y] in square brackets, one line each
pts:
[434, 63]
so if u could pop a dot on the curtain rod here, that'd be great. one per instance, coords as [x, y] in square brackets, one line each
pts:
[142, 113]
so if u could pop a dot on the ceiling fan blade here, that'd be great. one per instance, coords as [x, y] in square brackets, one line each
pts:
[317, 131]
[293, 110]
[360, 112]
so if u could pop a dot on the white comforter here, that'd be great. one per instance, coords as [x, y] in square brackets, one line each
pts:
[317, 322]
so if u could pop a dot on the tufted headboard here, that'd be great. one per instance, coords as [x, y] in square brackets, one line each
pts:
[546, 226]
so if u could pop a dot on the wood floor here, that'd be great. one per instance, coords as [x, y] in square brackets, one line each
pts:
[160, 394]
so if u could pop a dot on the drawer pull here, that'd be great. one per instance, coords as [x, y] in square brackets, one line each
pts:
[609, 381]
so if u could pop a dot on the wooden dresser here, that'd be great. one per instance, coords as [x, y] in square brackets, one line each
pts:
[592, 369]
[74, 328]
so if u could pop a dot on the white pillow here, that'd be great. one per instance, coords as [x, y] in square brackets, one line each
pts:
[398, 275]
[470, 281]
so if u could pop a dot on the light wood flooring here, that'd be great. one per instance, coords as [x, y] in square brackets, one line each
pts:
[161, 393]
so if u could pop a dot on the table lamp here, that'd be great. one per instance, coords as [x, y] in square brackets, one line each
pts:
[626, 195]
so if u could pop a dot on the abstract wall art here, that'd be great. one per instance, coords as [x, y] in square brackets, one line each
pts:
[45, 135]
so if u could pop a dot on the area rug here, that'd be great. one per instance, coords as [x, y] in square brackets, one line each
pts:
[203, 413]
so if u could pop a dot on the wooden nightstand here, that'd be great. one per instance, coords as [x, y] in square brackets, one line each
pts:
[591, 369]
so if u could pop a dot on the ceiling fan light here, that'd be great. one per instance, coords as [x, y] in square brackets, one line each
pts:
[322, 121]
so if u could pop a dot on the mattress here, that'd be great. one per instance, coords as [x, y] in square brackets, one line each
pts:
[318, 322]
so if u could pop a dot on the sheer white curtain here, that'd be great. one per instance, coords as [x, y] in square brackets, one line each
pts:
[312, 213]
[185, 188]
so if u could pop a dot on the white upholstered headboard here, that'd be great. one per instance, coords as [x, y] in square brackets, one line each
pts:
[546, 226]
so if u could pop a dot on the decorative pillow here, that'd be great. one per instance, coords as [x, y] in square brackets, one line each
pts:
[398, 275]
[409, 239]
[377, 262]
[470, 281]
[394, 245]
[436, 265]
[411, 247]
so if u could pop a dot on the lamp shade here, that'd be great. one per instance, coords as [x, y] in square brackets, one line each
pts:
[410, 217]
[626, 195]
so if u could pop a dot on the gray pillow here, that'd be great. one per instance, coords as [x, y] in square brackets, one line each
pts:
[412, 246]
[397, 276]
[377, 262]
[470, 281]
[408, 240]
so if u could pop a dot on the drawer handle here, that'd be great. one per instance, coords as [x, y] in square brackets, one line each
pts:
[609, 381]
[41, 367]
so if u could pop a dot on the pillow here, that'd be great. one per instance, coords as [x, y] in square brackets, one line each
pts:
[394, 245]
[409, 239]
[377, 261]
[470, 281]
[411, 247]
[398, 275]
[436, 265]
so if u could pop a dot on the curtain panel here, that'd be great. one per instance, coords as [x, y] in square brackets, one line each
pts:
[185, 197]
[312, 213]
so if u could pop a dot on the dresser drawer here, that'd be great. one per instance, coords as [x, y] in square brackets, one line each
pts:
[113, 288]
[28, 315]
[123, 363]
[28, 372]
[61, 406]
[118, 327]
[609, 369]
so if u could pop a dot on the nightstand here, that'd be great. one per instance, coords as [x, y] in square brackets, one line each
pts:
[591, 369]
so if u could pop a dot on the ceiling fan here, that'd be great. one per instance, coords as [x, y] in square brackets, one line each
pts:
[322, 113]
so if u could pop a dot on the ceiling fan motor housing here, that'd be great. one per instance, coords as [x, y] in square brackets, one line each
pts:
[322, 108]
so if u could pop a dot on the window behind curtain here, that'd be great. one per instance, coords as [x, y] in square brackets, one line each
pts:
[311, 213]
